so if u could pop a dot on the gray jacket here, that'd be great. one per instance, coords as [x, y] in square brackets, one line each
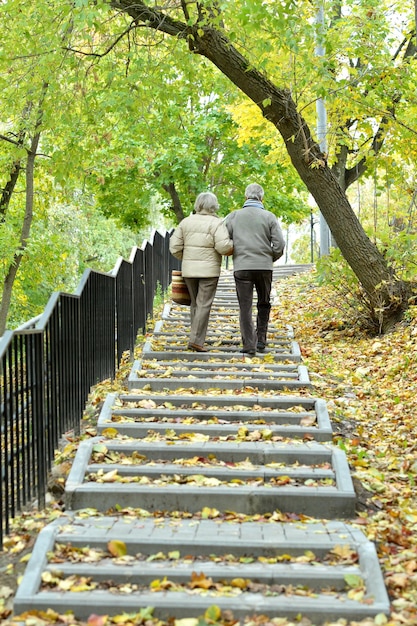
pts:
[257, 237]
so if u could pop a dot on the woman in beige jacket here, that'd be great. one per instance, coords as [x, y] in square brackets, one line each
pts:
[199, 241]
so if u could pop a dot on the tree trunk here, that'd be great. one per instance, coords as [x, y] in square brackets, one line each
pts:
[386, 294]
[16, 167]
[24, 236]
[28, 217]
[176, 202]
[8, 189]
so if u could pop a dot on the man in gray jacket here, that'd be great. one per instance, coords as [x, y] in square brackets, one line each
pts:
[258, 242]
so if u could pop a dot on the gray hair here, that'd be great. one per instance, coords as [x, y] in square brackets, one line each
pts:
[254, 192]
[206, 203]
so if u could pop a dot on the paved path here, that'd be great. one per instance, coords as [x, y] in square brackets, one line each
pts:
[212, 481]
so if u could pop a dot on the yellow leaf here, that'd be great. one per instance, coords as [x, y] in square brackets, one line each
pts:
[243, 432]
[117, 548]
[83, 586]
[213, 613]
[158, 584]
[356, 594]
[175, 554]
[207, 513]
[344, 551]
[110, 433]
[109, 477]
[241, 583]
[147, 404]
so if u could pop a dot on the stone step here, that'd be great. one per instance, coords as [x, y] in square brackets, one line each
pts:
[223, 339]
[154, 473]
[219, 312]
[214, 339]
[178, 330]
[164, 352]
[234, 374]
[179, 335]
[175, 373]
[134, 415]
[224, 309]
[170, 325]
[240, 367]
[181, 567]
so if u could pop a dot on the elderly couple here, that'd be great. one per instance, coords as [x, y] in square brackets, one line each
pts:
[252, 234]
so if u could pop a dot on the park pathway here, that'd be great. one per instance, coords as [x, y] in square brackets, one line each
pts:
[212, 482]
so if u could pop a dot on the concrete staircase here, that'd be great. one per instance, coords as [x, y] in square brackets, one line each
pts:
[213, 482]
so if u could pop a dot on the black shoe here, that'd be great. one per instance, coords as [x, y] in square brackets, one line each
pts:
[250, 352]
[260, 346]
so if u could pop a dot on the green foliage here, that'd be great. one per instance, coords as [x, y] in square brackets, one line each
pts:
[358, 309]
[301, 249]
[350, 298]
[388, 213]
[199, 150]
[128, 114]
[159, 298]
[66, 241]
[401, 252]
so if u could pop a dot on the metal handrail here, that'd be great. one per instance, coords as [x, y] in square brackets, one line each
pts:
[49, 365]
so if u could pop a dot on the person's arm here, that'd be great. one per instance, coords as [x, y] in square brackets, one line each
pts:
[228, 222]
[277, 240]
[222, 243]
[176, 243]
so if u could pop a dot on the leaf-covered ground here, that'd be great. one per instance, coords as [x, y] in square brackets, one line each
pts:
[369, 385]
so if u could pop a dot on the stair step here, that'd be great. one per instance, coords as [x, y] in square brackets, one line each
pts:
[221, 353]
[169, 326]
[257, 568]
[171, 336]
[180, 472]
[297, 417]
[176, 373]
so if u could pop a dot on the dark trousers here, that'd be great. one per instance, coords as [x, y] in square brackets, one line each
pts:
[246, 281]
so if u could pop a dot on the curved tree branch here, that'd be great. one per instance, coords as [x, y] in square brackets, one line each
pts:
[109, 49]
[352, 174]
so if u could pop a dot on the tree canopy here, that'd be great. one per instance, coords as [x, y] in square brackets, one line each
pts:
[222, 34]
[117, 125]
[125, 101]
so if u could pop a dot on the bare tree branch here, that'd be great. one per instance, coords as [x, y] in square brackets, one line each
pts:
[109, 49]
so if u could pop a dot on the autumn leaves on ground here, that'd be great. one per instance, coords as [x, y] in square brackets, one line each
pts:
[369, 386]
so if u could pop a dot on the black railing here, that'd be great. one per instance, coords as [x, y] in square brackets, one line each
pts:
[49, 365]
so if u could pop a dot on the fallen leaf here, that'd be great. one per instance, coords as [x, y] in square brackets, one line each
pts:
[117, 548]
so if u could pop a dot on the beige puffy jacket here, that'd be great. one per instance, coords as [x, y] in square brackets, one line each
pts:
[199, 241]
